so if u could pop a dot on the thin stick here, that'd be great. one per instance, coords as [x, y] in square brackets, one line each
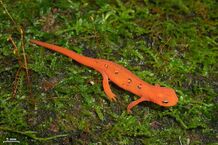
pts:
[31, 134]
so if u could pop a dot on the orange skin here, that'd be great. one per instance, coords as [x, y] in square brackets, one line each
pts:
[122, 77]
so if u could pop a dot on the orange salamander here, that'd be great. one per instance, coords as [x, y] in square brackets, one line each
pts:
[122, 77]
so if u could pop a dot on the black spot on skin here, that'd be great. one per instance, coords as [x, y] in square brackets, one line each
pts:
[106, 65]
[129, 80]
[116, 72]
[139, 86]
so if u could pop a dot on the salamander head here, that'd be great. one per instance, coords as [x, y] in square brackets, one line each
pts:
[164, 96]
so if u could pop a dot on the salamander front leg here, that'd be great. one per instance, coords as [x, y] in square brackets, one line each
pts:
[134, 103]
[107, 89]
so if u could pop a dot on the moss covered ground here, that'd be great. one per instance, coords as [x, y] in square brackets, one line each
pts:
[46, 98]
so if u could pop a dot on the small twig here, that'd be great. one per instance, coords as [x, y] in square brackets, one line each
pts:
[29, 85]
[6, 10]
[15, 83]
[16, 51]
[22, 62]
[31, 134]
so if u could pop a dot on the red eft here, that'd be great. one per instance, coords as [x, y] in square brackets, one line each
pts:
[122, 77]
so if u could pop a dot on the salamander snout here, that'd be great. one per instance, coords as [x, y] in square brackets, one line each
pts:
[165, 97]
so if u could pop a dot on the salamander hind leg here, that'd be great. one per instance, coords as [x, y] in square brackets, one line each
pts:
[107, 89]
[134, 103]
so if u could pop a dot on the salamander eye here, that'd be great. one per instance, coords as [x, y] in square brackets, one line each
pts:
[165, 101]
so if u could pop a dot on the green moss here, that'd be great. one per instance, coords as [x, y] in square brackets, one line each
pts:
[173, 43]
